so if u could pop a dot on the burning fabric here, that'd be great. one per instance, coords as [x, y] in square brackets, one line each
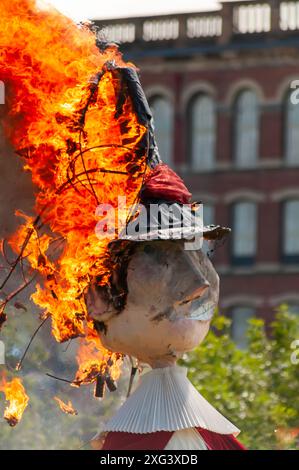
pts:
[18, 400]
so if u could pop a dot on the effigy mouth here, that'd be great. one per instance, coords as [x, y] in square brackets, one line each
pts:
[196, 294]
[200, 305]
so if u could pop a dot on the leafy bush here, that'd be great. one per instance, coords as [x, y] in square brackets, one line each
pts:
[43, 425]
[257, 388]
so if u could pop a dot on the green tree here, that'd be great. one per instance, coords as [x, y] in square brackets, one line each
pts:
[44, 425]
[256, 388]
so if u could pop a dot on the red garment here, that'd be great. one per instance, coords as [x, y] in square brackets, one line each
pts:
[215, 441]
[159, 440]
[132, 441]
[163, 183]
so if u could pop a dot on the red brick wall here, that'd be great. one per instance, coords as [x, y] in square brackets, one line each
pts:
[270, 80]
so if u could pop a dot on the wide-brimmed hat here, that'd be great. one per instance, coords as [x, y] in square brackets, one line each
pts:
[166, 211]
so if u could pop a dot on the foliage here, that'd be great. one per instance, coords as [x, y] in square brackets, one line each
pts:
[256, 388]
[44, 425]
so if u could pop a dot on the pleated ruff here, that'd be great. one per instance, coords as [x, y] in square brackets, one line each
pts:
[165, 400]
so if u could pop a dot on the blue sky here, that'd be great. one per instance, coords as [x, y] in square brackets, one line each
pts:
[92, 9]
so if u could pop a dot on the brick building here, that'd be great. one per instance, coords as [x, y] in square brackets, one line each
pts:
[220, 86]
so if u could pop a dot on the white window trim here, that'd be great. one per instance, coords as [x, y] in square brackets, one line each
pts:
[159, 90]
[284, 194]
[285, 298]
[237, 87]
[193, 89]
[244, 195]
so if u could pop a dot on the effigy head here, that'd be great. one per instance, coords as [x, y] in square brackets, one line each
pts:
[163, 289]
[171, 295]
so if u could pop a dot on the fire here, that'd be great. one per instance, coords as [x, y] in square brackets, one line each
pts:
[71, 119]
[18, 400]
[67, 408]
[94, 361]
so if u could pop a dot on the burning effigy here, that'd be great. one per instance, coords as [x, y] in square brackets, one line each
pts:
[169, 290]
[115, 246]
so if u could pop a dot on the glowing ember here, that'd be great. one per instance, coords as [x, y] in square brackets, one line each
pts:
[66, 407]
[72, 119]
[18, 400]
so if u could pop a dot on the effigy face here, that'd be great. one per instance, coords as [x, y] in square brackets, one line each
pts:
[172, 294]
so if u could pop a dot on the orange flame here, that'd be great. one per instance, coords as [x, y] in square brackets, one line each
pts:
[93, 360]
[67, 408]
[18, 400]
[80, 149]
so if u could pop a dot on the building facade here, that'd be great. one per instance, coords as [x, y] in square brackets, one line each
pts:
[223, 86]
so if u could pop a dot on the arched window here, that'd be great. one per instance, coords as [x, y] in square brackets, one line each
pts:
[244, 241]
[202, 129]
[162, 110]
[293, 308]
[291, 231]
[208, 219]
[246, 129]
[239, 327]
[208, 214]
[291, 132]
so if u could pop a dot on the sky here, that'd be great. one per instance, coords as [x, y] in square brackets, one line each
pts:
[103, 9]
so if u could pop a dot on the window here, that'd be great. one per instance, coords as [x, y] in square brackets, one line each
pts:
[291, 132]
[293, 308]
[202, 128]
[208, 219]
[246, 129]
[240, 317]
[163, 121]
[208, 214]
[244, 233]
[291, 231]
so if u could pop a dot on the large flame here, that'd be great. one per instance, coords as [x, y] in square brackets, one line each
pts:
[18, 400]
[70, 117]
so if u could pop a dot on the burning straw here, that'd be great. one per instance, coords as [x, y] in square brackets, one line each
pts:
[71, 118]
[67, 408]
[17, 399]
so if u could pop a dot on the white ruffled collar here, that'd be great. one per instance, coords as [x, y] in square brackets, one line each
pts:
[165, 400]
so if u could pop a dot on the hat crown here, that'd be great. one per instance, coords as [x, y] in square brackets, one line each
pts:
[162, 183]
